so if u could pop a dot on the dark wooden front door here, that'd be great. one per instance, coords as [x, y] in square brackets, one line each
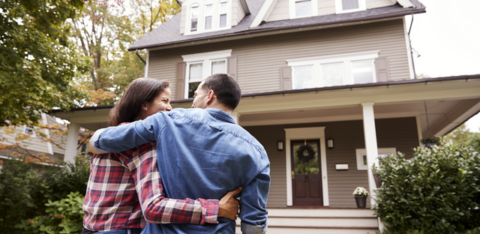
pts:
[306, 174]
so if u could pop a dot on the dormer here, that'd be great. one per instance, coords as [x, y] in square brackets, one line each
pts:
[202, 16]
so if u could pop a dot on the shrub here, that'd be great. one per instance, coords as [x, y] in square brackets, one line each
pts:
[64, 216]
[437, 191]
[25, 189]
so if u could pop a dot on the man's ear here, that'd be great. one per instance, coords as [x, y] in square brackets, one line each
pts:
[211, 97]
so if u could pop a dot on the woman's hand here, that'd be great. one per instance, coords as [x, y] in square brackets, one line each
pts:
[228, 206]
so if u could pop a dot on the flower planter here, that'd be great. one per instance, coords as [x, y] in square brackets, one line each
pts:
[430, 144]
[361, 201]
[378, 181]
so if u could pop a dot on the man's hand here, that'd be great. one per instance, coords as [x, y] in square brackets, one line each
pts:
[228, 206]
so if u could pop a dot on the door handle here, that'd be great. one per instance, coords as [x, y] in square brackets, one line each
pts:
[293, 174]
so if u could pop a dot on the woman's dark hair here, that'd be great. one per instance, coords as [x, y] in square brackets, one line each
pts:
[137, 93]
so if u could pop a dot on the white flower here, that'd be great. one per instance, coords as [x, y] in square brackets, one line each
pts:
[360, 191]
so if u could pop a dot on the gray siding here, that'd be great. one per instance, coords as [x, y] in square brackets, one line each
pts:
[325, 7]
[260, 59]
[400, 133]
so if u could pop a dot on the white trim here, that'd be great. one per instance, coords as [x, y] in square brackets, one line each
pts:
[409, 49]
[47, 133]
[419, 130]
[208, 55]
[264, 12]
[362, 5]
[147, 62]
[334, 58]
[292, 9]
[72, 142]
[306, 133]
[363, 152]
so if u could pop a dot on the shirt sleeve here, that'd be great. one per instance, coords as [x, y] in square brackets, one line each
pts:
[158, 209]
[127, 136]
[253, 211]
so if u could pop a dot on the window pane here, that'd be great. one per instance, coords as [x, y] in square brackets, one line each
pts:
[218, 67]
[223, 7]
[332, 74]
[209, 9]
[194, 12]
[195, 73]
[194, 25]
[223, 21]
[208, 22]
[303, 77]
[303, 8]
[350, 4]
[363, 72]
[192, 87]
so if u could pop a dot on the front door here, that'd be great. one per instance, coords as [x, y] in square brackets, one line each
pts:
[306, 174]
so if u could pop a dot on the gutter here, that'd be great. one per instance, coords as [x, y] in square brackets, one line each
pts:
[264, 30]
[136, 52]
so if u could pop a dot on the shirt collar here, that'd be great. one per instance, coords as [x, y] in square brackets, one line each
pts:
[220, 115]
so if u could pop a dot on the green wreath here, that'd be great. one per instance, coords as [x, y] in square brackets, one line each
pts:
[305, 153]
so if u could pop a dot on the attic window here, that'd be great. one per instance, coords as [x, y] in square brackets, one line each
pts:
[208, 16]
[223, 14]
[303, 8]
[194, 14]
[345, 6]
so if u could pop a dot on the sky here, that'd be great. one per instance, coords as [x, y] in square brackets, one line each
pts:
[447, 38]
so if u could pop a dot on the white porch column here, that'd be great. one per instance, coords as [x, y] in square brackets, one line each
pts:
[370, 146]
[236, 117]
[72, 143]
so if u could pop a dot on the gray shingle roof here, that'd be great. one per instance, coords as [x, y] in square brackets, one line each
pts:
[169, 32]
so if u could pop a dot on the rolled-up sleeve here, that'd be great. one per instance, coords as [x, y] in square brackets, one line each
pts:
[127, 136]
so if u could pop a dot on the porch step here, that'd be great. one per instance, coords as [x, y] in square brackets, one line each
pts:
[334, 221]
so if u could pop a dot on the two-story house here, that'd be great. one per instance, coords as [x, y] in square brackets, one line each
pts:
[328, 87]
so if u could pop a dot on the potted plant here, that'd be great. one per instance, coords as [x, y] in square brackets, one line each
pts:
[431, 141]
[361, 195]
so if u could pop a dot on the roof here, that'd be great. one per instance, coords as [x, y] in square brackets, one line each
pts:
[354, 86]
[168, 33]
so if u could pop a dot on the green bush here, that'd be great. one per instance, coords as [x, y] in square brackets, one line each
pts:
[64, 216]
[25, 189]
[437, 191]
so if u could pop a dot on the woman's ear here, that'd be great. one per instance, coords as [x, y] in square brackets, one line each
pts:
[145, 106]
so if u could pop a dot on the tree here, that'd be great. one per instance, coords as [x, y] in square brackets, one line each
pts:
[37, 60]
[463, 136]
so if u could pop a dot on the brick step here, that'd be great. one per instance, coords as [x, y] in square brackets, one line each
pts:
[322, 212]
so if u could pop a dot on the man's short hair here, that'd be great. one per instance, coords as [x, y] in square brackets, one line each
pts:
[225, 87]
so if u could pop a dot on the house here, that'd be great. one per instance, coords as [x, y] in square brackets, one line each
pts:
[35, 144]
[328, 87]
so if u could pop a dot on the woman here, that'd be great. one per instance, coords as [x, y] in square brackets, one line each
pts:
[124, 189]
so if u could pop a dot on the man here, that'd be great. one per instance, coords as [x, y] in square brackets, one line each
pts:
[202, 153]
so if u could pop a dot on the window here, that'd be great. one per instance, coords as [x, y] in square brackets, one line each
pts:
[29, 131]
[194, 21]
[208, 16]
[200, 66]
[362, 163]
[345, 6]
[303, 8]
[357, 68]
[223, 14]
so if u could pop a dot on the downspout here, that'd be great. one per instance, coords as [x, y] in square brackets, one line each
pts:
[411, 49]
[136, 52]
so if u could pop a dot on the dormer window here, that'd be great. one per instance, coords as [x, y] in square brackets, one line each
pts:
[346, 6]
[208, 15]
[303, 8]
[194, 19]
[223, 14]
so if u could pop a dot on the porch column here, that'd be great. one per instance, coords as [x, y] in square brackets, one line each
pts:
[236, 117]
[370, 146]
[72, 141]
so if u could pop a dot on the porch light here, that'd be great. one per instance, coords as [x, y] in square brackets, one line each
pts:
[280, 145]
[330, 143]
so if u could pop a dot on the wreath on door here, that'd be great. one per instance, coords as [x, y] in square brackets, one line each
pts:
[305, 153]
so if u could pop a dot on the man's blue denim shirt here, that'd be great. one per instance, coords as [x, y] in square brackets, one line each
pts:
[201, 153]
